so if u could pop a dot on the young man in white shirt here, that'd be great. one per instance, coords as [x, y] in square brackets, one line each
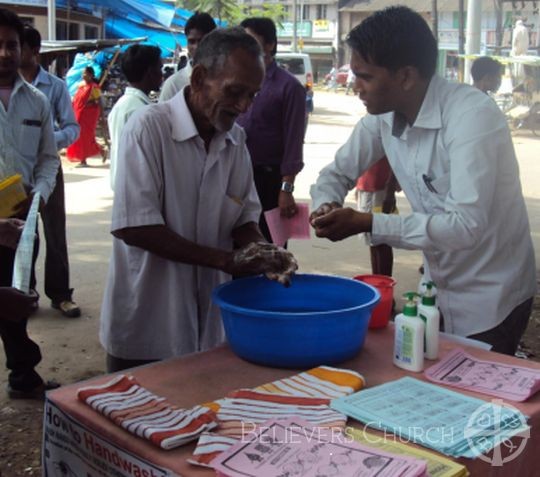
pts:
[451, 151]
[141, 65]
[54, 213]
[198, 25]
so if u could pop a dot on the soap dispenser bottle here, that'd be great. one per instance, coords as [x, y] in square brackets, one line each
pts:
[429, 313]
[409, 336]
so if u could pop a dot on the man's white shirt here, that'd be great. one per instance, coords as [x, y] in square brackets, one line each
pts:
[129, 102]
[175, 83]
[458, 169]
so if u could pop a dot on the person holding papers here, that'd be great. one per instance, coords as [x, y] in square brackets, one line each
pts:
[274, 126]
[27, 147]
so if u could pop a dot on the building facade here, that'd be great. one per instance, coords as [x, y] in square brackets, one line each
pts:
[72, 23]
[322, 27]
[316, 31]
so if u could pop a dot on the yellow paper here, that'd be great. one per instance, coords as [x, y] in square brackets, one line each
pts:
[437, 466]
[11, 193]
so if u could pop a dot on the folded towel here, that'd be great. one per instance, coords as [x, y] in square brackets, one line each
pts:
[306, 395]
[126, 403]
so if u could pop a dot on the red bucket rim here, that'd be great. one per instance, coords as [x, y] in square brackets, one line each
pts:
[376, 280]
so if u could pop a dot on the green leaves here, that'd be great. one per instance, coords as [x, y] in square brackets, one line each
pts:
[232, 13]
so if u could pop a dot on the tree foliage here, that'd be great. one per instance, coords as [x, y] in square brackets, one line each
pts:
[232, 12]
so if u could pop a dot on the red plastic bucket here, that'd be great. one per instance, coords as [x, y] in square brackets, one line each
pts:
[382, 312]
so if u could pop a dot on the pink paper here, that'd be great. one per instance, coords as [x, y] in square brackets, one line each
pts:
[282, 228]
[293, 447]
[462, 370]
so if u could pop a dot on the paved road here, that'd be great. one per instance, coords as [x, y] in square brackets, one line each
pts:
[70, 347]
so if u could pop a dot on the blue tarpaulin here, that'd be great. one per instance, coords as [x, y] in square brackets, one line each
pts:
[168, 41]
[136, 10]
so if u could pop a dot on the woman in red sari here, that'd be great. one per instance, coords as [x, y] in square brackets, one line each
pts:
[86, 104]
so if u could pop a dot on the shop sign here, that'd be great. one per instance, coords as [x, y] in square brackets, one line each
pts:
[303, 29]
[324, 29]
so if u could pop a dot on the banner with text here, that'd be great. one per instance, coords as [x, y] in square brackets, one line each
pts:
[71, 449]
[303, 29]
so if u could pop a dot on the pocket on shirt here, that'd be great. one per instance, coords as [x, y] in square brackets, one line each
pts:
[441, 184]
[29, 140]
[231, 210]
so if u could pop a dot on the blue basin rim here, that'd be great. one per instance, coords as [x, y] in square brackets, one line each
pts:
[272, 314]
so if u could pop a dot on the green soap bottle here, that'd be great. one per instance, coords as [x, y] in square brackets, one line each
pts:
[409, 336]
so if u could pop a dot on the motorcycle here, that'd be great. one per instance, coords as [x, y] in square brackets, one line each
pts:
[524, 117]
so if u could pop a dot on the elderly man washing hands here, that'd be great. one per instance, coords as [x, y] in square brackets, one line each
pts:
[184, 195]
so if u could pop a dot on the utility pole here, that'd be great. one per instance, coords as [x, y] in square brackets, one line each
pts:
[461, 38]
[51, 19]
[300, 42]
[294, 32]
[435, 19]
[474, 28]
[499, 27]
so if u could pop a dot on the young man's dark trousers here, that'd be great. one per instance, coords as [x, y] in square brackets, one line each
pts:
[22, 354]
[53, 216]
[268, 184]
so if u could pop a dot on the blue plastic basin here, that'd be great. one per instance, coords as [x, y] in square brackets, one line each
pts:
[318, 320]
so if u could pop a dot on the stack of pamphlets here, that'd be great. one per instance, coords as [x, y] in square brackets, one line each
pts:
[23, 264]
[437, 466]
[460, 369]
[285, 448]
[429, 415]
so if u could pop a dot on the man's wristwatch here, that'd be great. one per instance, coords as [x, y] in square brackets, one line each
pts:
[287, 187]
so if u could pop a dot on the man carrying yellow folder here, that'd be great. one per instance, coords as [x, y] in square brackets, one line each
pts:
[27, 147]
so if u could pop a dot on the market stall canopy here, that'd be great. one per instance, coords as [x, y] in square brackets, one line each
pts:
[69, 46]
[168, 39]
[135, 10]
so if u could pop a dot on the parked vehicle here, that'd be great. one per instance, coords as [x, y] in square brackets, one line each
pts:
[170, 67]
[522, 106]
[298, 64]
[524, 117]
[341, 76]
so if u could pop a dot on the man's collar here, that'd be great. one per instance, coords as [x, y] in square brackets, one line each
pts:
[429, 116]
[131, 90]
[19, 83]
[183, 125]
[271, 69]
[42, 77]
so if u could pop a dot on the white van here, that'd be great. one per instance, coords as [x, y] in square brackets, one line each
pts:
[298, 64]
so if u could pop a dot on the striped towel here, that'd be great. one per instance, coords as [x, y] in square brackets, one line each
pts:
[306, 395]
[125, 402]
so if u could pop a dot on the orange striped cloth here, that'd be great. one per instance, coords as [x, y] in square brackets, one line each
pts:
[126, 403]
[306, 395]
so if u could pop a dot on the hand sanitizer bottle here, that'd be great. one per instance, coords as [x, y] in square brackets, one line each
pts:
[428, 311]
[409, 336]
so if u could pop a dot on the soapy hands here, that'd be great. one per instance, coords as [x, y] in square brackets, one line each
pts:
[260, 257]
